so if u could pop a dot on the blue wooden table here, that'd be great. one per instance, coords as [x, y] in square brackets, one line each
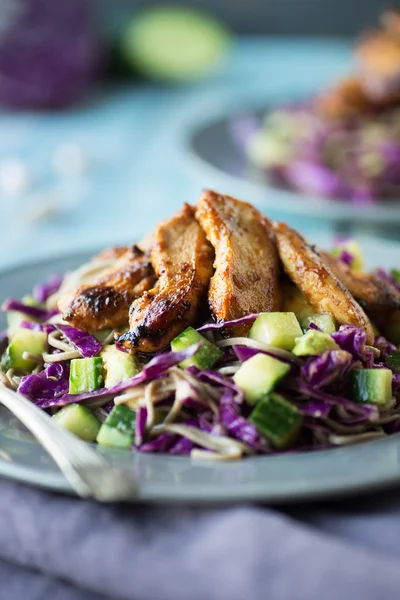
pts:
[133, 138]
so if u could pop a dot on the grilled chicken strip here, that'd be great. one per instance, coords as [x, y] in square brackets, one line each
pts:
[317, 282]
[347, 99]
[183, 261]
[371, 291]
[246, 260]
[104, 302]
[378, 56]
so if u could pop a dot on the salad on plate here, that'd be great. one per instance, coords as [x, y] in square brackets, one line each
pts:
[220, 335]
[344, 143]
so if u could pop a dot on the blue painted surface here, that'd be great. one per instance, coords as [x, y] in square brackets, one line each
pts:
[134, 139]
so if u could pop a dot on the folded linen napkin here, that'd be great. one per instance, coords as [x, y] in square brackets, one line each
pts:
[60, 547]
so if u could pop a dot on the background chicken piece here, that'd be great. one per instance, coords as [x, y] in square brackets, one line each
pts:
[317, 282]
[378, 56]
[372, 292]
[347, 99]
[246, 260]
[104, 302]
[183, 260]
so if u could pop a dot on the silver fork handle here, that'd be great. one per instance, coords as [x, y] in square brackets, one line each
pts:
[89, 473]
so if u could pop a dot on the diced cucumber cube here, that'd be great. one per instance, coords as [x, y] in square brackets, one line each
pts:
[207, 355]
[15, 318]
[278, 329]
[118, 429]
[258, 375]
[24, 340]
[118, 365]
[277, 419]
[86, 375]
[79, 420]
[371, 385]
[325, 323]
[314, 343]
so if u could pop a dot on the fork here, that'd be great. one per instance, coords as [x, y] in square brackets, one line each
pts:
[89, 473]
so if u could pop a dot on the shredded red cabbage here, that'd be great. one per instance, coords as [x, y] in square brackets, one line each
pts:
[355, 158]
[216, 378]
[162, 443]
[240, 428]
[140, 425]
[84, 342]
[35, 312]
[222, 324]
[31, 325]
[353, 339]
[154, 369]
[43, 291]
[49, 384]
[323, 370]
[245, 352]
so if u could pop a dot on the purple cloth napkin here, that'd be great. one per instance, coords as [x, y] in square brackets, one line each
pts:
[65, 548]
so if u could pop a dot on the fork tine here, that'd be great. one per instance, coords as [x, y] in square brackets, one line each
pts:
[88, 472]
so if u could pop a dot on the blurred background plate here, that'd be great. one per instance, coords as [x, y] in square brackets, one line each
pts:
[214, 156]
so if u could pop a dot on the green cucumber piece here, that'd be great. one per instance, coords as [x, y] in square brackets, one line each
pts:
[174, 43]
[395, 273]
[393, 362]
[15, 318]
[278, 329]
[314, 343]
[86, 375]
[371, 385]
[118, 365]
[325, 322]
[118, 429]
[278, 420]
[79, 420]
[207, 355]
[258, 376]
[24, 340]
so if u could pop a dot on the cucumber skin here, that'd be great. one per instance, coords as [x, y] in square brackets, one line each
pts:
[277, 419]
[371, 385]
[79, 420]
[258, 376]
[86, 375]
[325, 322]
[118, 429]
[279, 329]
[24, 340]
[122, 418]
[117, 365]
[113, 438]
[207, 355]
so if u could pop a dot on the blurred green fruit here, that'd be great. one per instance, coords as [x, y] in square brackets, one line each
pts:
[175, 44]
